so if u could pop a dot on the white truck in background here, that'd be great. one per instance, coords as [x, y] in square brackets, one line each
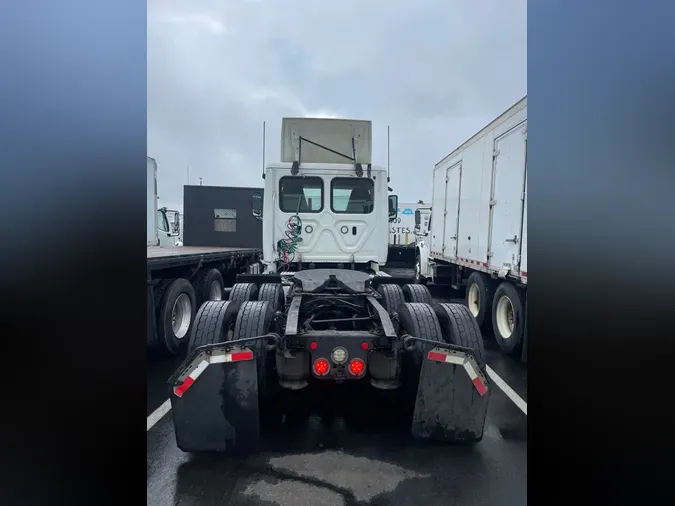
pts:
[478, 231]
[402, 235]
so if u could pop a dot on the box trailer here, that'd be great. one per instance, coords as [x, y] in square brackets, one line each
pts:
[478, 232]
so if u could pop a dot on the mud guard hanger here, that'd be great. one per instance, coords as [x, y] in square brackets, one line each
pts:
[358, 168]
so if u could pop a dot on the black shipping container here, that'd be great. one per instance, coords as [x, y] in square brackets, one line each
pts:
[220, 216]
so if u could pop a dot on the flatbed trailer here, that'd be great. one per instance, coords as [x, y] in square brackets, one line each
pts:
[180, 279]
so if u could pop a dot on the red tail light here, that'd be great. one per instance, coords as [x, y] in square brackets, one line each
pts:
[357, 367]
[321, 367]
[364, 345]
[313, 345]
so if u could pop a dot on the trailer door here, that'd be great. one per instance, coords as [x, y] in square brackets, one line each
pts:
[508, 194]
[453, 185]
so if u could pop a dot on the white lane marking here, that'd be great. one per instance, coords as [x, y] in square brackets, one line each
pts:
[510, 393]
[157, 415]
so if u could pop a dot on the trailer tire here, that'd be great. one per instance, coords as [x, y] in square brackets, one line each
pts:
[255, 318]
[508, 318]
[209, 285]
[160, 289]
[243, 292]
[461, 328]
[478, 298]
[417, 293]
[178, 302]
[274, 294]
[392, 297]
[212, 324]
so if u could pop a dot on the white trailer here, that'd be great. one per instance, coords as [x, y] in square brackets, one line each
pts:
[478, 232]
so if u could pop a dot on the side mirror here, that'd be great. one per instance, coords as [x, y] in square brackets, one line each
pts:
[393, 207]
[176, 223]
[418, 218]
[257, 205]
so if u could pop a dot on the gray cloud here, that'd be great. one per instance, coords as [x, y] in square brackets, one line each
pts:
[436, 71]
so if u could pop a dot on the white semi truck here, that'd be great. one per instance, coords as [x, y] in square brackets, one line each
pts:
[323, 314]
[478, 233]
[180, 278]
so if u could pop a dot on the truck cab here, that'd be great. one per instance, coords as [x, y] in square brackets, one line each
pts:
[168, 227]
[325, 205]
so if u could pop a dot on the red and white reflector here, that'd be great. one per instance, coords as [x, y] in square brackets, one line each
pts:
[466, 361]
[216, 358]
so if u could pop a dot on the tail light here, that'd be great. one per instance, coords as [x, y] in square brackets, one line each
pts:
[321, 367]
[357, 367]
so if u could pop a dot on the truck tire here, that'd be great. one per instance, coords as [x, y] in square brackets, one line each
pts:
[208, 285]
[274, 294]
[419, 320]
[176, 314]
[417, 293]
[461, 328]
[478, 298]
[419, 279]
[212, 324]
[243, 292]
[508, 318]
[392, 297]
[254, 319]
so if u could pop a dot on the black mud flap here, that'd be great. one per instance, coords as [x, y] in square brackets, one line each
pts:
[214, 400]
[452, 398]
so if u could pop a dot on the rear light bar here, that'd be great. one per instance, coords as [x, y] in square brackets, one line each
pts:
[216, 358]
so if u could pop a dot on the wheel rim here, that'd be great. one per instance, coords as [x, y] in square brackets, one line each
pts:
[216, 292]
[181, 314]
[474, 300]
[505, 317]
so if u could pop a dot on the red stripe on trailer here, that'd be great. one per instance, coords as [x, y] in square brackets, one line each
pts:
[439, 357]
[480, 386]
[242, 355]
[180, 390]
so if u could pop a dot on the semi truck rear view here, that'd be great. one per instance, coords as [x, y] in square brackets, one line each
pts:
[323, 315]
[478, 231]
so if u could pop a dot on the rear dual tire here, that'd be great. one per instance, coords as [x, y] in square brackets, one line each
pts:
[508, 318]
[176, 305]
[480, 291]
[443, 323]
[209, 285]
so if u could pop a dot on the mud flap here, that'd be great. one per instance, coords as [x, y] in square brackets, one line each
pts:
[214, 400]
[452, 398]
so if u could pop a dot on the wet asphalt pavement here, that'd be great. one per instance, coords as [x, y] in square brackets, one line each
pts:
[368, 461]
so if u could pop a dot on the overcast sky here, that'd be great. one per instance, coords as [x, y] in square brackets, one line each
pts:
[435, 71]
